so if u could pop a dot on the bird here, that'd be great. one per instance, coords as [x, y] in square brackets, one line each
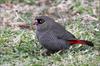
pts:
[53, 36]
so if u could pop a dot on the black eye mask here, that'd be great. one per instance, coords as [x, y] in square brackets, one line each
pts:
[40, 21]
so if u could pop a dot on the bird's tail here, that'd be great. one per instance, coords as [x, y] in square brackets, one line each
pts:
[83, 42]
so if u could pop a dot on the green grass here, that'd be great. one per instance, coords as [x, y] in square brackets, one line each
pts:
[31, 2]
[22, 48]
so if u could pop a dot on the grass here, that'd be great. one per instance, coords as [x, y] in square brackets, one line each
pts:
[22, 48]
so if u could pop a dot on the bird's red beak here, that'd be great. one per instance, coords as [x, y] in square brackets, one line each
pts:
[35, 23]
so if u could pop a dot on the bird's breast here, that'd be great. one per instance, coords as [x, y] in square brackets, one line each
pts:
[42, 35]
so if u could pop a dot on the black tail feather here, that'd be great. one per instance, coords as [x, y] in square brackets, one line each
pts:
[89, 43]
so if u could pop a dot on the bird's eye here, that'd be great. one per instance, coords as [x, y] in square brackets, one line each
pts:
[40, 21]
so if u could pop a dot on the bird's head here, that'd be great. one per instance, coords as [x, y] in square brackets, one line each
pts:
[39, 20]
[42, 22]
[42, 19]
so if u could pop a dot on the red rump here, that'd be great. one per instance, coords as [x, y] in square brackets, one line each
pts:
[76, 41]
[84, 42]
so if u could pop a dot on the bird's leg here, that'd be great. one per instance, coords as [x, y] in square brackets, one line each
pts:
[47, 52]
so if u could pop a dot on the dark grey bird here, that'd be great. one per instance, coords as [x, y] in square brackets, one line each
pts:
[55, 37]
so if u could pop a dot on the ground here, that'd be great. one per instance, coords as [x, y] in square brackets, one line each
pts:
[20, 47]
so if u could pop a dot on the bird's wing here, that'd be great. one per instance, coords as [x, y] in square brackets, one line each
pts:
[51, 42]
[61, 32]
